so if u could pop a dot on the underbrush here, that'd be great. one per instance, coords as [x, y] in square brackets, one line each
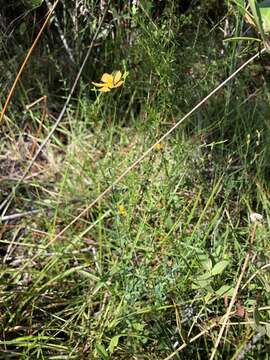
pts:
[148, 271]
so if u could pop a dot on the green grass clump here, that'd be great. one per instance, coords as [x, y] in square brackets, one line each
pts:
[148, 272]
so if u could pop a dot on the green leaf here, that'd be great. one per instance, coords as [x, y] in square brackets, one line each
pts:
[32, 4]
[208, 265]
[256, 316]
[219, 267]
[22, 28]
[205, 261]
[261, 14]
[264, 8]
[224, 290]
[101, 350]
[113, 343]
[200, 284]
[241, 38]
[206, 275]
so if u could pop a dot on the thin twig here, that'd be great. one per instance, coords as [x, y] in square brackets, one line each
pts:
[11, 244]
[19, 215]
[171, 356]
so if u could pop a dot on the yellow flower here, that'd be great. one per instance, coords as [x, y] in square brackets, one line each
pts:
[159, 147]
[122, 210]
[111, 81]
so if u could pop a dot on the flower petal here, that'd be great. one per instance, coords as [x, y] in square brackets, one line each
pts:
[97, 84]
[107, 78]
[117, 76]
[105, 89]
[118, 84]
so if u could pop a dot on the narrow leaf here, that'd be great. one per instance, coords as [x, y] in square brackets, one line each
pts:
[113, 343]
[219, 267]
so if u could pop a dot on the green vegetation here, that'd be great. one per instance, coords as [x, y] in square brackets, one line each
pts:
[148, 271]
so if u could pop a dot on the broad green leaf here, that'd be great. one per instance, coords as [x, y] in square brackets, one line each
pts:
[32, 4]
[206, 275]
[113, 343]
[200, 284]
[205, 261]
[207, 265]
[264, 8]
[219, 267]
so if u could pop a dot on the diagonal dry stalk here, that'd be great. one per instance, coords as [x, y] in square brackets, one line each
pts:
[194, 338]
[140, 158]
[26, 61]
[235, 292]
[5, 204]
[185, 344]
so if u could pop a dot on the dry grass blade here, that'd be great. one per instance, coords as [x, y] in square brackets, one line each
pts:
[171, 356]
